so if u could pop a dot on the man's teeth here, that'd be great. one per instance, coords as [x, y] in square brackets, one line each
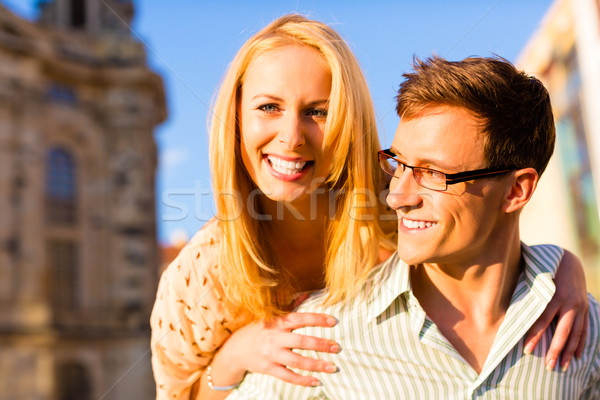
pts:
[410, 224]
[286, 167]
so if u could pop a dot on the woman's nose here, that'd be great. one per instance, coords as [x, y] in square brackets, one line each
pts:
[292, 133]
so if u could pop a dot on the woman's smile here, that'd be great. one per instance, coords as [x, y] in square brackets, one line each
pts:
[287, 169]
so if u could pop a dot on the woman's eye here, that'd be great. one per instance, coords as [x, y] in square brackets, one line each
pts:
[268, 108]
[317, 112]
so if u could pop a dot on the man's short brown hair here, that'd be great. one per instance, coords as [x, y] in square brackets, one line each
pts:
[513, 107]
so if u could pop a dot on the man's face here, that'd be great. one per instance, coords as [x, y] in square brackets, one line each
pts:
[457, 225]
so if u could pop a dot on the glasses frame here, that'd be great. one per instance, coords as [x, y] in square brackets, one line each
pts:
[451, 179]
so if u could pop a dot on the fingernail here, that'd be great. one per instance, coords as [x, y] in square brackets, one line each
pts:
[565, 366]
[528, 348]
[315, 383]
[331, 321]
[335, 348]
[550, 365]
[330, 368]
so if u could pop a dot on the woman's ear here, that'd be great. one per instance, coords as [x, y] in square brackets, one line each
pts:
[523, 184]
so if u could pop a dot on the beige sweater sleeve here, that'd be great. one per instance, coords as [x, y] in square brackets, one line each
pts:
[189, 321]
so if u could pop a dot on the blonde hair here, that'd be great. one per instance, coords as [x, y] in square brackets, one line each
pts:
[354, 235]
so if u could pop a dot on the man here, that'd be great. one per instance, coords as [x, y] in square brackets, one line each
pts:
[449, 320]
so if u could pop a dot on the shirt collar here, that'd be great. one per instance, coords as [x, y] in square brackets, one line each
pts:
[388, 281]
[391, 279]
[541, 263]
[533, 291]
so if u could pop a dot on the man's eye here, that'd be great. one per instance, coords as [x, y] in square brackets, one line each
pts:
[317, 112]
[433, 174]
[268, 108]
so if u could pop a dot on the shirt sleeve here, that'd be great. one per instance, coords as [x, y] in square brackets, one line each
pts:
[592, 390]
[189, 321]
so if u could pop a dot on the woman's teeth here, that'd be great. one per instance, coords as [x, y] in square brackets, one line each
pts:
[286, 167]
[411, 224]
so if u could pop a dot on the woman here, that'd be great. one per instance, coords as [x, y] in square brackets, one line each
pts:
[293, 154]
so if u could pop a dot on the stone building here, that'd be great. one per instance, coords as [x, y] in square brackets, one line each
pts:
[564, 53]
[78, 251]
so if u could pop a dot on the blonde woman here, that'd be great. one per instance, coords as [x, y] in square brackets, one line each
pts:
[296, 184]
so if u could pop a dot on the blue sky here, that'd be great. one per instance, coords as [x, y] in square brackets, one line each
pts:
[191, 42]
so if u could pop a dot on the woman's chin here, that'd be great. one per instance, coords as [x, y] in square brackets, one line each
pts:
[289, 196]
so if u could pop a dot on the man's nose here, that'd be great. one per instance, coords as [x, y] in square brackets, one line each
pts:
[404, 190]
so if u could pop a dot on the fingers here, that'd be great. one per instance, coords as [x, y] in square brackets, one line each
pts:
[299, 320]
[295, 341]
[537, 329]
[280, 357]
[583, 336]
[573, 343]
[280, 372]
[561, 335]
[273, 352]
[294, 360]
[569, 336]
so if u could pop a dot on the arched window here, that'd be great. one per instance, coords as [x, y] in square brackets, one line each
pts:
[78, 14]
[73, 382]
[61, 188]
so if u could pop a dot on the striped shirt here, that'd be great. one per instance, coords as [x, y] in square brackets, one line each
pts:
[392, 350]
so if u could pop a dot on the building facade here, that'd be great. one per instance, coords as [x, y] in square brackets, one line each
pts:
[565, 54]
[78, 250]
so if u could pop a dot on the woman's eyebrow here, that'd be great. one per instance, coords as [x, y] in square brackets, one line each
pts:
[267, 95]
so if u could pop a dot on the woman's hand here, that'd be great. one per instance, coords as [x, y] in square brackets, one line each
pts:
[266, 348]
[570, 305]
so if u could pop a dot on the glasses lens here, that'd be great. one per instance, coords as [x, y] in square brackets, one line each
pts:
[430, 178]
[388, 164]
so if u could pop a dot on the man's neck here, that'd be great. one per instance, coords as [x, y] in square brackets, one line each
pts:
[468, 301]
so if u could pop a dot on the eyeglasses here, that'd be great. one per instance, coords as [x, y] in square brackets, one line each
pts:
[430, 178]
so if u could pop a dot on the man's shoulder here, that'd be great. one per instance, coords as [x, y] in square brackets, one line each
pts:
[590, 358]
[542, 258]
[594, 319]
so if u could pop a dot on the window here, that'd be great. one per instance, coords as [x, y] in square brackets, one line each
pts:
[78, 14]
[63, 266]
[73, 382]
[61, 190]
[61, 94]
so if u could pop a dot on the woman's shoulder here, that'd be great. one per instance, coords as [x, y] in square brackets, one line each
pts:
[206, 238]
[197, 262]
[192, 285]
[203, 247]
[189, 320]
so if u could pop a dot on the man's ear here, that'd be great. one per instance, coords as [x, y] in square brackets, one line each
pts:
[523, 184]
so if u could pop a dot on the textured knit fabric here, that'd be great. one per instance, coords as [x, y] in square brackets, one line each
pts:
[189, 321]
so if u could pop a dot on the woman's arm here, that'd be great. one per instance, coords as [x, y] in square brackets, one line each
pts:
[190, 323]
[570, 306]
[267, 348]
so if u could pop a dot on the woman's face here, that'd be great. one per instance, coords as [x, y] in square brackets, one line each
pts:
[283, 110]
